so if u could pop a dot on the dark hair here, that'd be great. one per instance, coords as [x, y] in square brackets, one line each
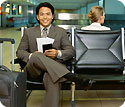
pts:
[45, 4]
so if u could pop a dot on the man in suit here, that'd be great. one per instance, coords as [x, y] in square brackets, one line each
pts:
[49, 62]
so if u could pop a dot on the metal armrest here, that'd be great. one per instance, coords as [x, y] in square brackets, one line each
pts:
[70, 61]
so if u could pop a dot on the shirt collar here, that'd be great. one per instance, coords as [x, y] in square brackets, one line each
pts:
[95, 23]
[41, 27]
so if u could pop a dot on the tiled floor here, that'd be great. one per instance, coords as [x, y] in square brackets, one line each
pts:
[90, 98]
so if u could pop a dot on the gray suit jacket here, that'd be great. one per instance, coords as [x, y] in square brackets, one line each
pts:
[28, 43]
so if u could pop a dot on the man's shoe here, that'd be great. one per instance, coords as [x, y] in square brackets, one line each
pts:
[80, 79]
[88, 85]
[84, 82]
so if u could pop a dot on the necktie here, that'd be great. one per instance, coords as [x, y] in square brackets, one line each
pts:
[44, 33]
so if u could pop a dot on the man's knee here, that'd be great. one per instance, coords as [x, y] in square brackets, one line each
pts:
[34, 57]
[35, 61]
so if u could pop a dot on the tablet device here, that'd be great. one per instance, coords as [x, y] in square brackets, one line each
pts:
[46, 47]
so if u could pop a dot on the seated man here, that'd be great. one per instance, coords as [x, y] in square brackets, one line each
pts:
[49, 62]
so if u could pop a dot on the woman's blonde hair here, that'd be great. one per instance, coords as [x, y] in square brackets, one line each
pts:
[95, 13]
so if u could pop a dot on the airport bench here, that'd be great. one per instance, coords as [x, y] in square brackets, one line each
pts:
[99, 56]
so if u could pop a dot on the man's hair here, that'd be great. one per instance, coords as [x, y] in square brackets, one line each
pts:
[95, 13]
[45, 4]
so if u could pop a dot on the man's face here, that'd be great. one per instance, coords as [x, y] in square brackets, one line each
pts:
[45, 16]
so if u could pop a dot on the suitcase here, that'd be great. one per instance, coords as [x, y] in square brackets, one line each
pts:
[12, 83]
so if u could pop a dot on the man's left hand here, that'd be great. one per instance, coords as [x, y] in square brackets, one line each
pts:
[52, 53]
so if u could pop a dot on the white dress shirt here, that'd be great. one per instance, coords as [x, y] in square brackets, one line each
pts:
[95, 26]
[41, 27]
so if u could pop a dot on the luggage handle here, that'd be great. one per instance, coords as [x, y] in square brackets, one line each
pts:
[1, 50]
[7, 39]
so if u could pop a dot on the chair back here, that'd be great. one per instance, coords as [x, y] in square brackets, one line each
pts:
[97, 50]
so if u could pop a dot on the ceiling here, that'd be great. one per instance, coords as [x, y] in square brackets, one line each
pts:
[58, 4]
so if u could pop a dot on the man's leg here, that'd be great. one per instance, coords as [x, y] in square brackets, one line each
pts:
[40, 63]
[34, 66]
[51, 98]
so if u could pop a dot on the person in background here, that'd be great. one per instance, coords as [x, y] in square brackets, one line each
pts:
[49, 63]
[97, 16]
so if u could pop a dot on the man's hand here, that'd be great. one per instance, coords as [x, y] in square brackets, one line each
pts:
[52, 53]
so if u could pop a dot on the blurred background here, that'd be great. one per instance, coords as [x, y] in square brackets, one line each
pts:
[15, 14]
[68, 13]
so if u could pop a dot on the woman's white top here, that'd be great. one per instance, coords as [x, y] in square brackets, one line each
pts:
[95, 26]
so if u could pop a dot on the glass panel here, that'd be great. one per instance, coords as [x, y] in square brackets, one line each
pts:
[19, 9]
[13, 9]
[7, 8]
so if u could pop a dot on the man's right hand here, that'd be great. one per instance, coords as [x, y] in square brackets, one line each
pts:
[52, 53]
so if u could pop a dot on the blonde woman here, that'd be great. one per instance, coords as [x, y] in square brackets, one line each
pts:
[97, 16]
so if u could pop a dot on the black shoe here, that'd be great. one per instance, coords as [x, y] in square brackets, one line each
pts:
[88, 84]
[85, 82]
[80, 79]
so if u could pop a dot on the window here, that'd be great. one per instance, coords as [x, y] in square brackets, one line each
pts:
[7, 8]
[19, 9]
[13, 9]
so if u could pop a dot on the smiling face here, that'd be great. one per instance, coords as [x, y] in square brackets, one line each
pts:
[45, 16]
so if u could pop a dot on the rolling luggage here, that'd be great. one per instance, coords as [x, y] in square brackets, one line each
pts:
[12, 83]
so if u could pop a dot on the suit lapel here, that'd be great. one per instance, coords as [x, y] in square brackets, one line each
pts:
[37, 32]
[52, 32]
